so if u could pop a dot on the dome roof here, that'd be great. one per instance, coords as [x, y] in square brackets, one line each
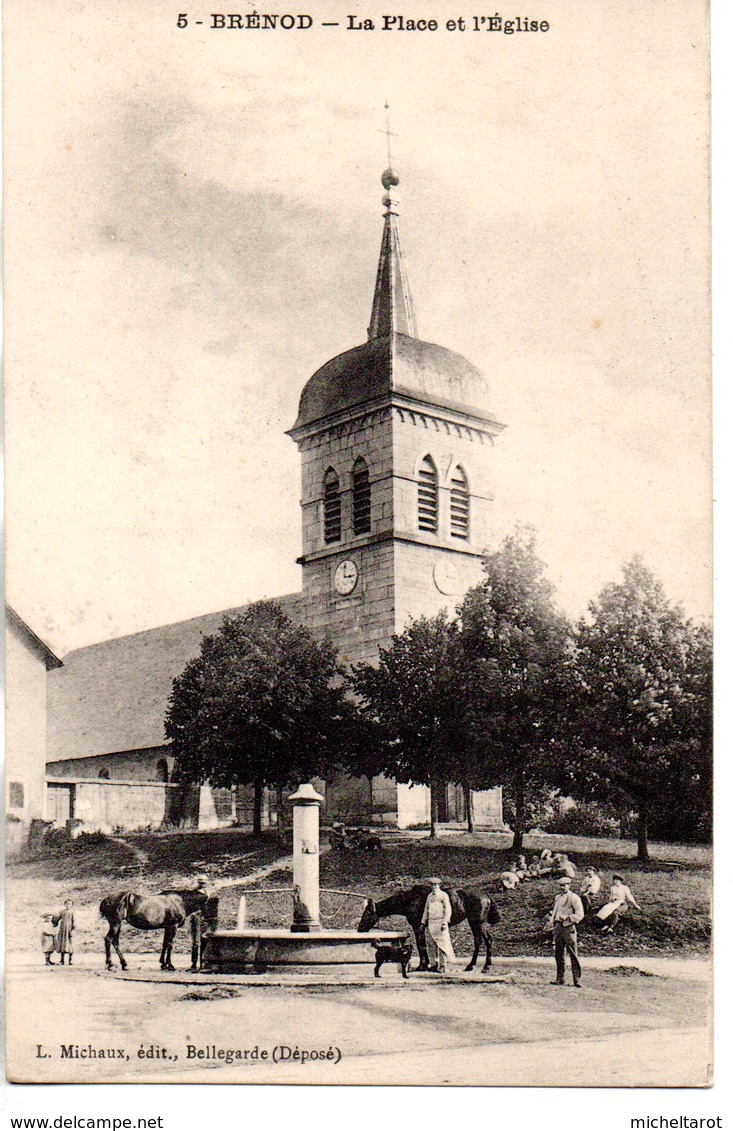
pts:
[393, 361]
[394, 364]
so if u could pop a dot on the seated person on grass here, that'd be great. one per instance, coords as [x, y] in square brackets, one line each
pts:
[619, 900]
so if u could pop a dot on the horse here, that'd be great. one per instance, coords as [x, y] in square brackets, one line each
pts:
[466, 903]
[168, 911]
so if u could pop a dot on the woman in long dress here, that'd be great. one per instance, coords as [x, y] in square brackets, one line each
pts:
[436, 918]
[64, 920]
[619, 900]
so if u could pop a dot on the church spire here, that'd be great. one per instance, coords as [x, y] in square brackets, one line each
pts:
[392, 309]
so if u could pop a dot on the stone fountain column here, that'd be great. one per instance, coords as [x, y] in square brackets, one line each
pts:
[306, 887]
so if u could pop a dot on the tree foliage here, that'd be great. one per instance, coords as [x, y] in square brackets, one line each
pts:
[639, 700]
[412, 703]
[470, 700]
[515, 645]
[263, 704]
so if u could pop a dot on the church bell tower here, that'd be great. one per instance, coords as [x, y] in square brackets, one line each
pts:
[396, 441]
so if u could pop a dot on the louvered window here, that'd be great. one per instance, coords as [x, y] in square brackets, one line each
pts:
[331, 507]
[427, 496]
[362, 495]
[459, 504]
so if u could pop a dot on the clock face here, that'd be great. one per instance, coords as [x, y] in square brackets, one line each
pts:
[345, 577]
[445, 576]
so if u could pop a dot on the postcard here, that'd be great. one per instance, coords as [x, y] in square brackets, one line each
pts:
[359, 563]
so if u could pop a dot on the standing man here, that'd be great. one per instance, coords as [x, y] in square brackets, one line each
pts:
[435, 920]
[566, 914]
[203, 921]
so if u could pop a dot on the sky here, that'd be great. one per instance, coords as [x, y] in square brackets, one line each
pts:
[193, 223]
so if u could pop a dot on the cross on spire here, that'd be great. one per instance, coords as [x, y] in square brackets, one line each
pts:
[392, 309]
[388, 133]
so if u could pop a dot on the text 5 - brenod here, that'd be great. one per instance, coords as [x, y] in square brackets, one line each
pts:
[264, 21]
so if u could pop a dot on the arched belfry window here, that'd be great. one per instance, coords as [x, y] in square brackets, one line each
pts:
[104, 774]
[331, 507]
[161, 770]
[460, 513]
[362, 497]
[427, 496]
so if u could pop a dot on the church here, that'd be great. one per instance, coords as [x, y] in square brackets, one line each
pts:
[396, 439]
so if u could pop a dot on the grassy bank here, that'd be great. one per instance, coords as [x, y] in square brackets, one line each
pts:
[675, 914]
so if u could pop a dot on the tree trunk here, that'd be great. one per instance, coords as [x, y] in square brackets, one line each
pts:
[469, 807]
[281, 814]
[433, 808]
[257, 809]
[642, 844]
[284, 822]
[517, 843]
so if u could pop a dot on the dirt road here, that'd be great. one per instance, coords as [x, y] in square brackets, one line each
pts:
[621, 1028]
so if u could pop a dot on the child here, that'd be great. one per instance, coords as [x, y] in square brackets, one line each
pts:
[64, 920]
[48, 938]
[535, 868]
[590, 890]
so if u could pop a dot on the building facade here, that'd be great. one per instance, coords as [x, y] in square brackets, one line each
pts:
[27, 664]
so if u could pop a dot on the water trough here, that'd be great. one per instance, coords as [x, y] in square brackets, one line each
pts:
[306, 943]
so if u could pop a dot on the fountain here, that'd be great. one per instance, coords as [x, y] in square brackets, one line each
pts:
[306, 943]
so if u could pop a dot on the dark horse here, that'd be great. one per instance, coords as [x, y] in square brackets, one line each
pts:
[466, 903]
[167, 911]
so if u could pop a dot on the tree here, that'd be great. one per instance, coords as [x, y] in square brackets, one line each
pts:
[515, 644]
[683, 808]
[413, 708]
[639, 698]
[263, 704]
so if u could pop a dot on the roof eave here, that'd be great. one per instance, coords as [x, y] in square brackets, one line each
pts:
[397, 398]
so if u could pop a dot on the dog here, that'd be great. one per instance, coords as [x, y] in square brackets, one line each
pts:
[398, 954]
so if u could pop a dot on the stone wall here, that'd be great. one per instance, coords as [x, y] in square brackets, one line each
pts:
[103, 806]
[488, 810]
[348, 799]
[368, 437]
[384, 800]
[363, 620]
[413, 805]
[417, 576]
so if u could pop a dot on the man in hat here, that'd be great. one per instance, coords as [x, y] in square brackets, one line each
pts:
[203, 921]
[566, 914]
[435, 920]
